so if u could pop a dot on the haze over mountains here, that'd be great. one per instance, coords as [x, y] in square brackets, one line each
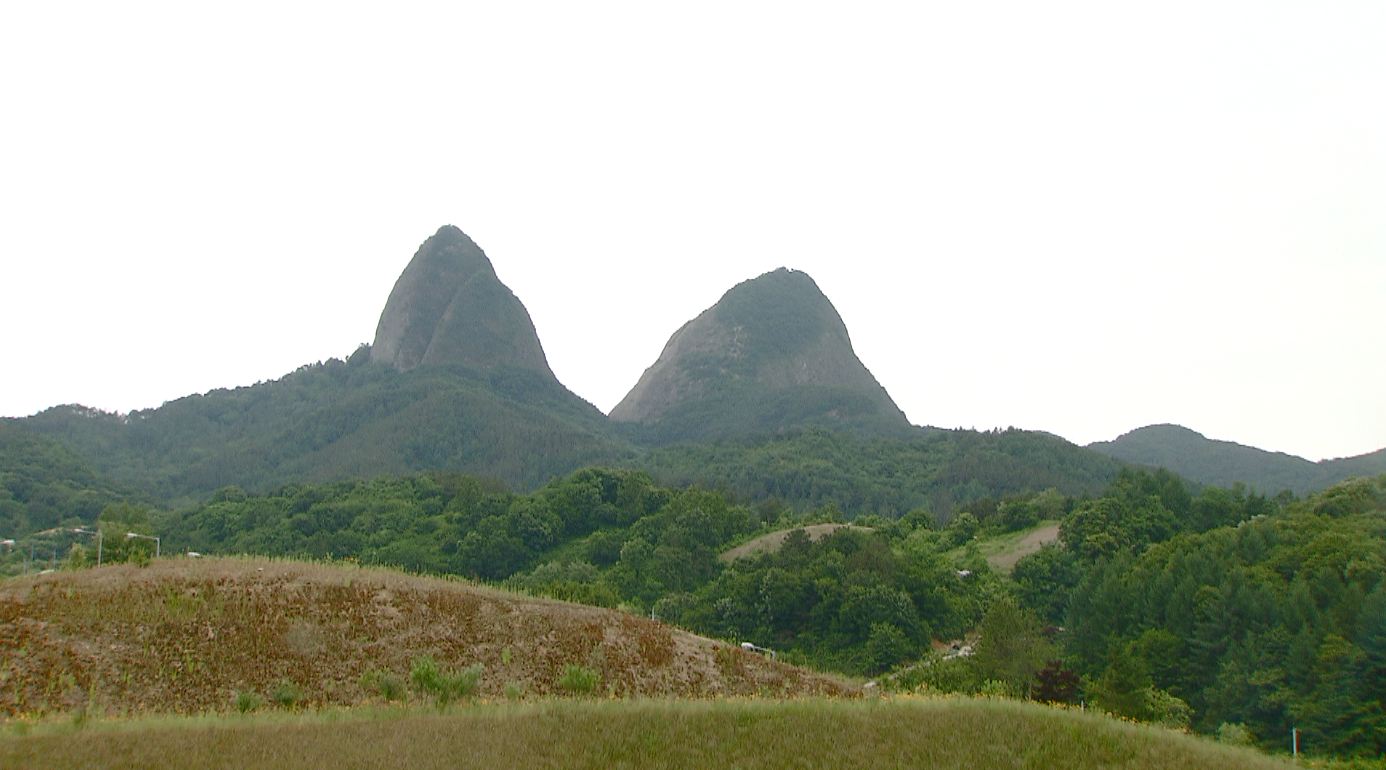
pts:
[762, 393]
[1224, 463]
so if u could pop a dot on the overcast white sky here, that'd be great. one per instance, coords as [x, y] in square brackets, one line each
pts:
[1080, 217]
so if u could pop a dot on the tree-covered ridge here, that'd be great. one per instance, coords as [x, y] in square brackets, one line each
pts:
[1224, 463]
[44, 485]
[343, 419]
[1257, 619]
[933, 469]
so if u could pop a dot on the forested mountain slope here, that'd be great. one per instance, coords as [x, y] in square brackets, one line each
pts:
[1224, 463]
[1246, 615]
[43, 483]
[930, 468]
[342, 420]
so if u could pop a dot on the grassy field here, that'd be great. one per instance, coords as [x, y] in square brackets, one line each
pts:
[937, 733]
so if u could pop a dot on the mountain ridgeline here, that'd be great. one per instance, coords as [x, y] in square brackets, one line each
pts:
[761, 395]
[1224, 463]
[456, 379]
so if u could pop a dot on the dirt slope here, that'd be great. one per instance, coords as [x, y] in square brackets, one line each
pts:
[1004, 561]
[187, 635]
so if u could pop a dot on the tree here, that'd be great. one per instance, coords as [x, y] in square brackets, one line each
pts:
[1124, 686]
[1012, 648]
[1056, 683]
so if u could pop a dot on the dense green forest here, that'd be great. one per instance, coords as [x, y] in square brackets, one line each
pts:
[43, 485]
[342, 419]
[935, 469]
[1251, 619]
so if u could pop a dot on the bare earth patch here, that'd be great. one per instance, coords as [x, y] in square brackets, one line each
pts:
[1004, 561]
[772, 542]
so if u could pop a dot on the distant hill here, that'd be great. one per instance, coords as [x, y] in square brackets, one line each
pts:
[934, 469]
[772, 355]
[1224, 463]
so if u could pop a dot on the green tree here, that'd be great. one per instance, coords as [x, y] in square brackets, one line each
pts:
[1012, 648]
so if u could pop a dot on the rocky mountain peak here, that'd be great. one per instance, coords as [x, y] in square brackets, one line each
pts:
[449, 308]
[771, 355]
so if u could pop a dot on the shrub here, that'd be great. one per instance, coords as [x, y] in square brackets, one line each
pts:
[248, 701]
[1235, 733]
[579, 680]
[513, 691]
[424, 674]
[444, 686]
[383, 683]
[286, 694]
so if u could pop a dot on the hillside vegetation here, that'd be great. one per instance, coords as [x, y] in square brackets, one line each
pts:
[185, 635]
[1266, 620]
[341, 419]
[1225, 463]
[43, 483]
[936, 734]
[937, 470]
[615, 537]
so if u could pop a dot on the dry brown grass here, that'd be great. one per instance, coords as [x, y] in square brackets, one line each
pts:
[188, 635]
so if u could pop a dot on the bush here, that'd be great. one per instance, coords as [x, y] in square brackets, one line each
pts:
[444, 686]
[579, 680]
[383, 683]
[286, 694]
[1236, 734]
[247, 701]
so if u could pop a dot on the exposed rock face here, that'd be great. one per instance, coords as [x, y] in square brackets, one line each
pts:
[772, 354]
[448, 308]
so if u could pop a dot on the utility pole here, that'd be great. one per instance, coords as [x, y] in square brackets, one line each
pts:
[1294, 741]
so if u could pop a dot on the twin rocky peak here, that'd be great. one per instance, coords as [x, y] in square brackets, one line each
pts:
[771, 355]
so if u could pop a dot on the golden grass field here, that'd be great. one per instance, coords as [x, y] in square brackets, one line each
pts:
[943, 734]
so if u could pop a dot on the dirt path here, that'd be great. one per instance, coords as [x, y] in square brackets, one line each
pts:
[1005, 561]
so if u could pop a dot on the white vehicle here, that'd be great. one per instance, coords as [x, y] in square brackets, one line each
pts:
[766, 651]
